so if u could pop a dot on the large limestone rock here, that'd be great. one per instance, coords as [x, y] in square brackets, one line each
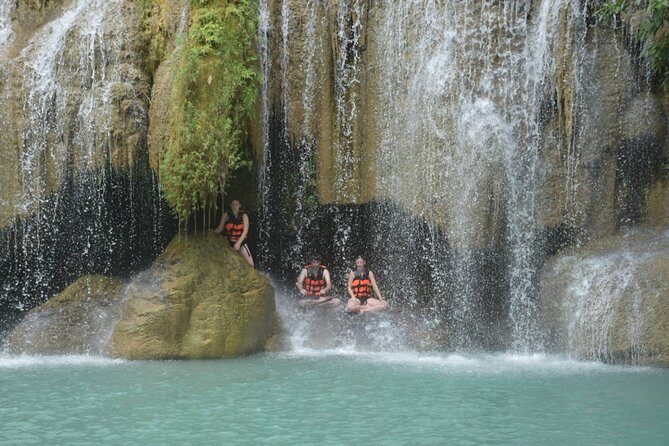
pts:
[198, 300]
[610, 300]
[78, 320]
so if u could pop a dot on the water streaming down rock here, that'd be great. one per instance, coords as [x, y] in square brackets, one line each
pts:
[347, 83]
[291, 103]
[457, 144]
[472, 101]
[83, 198]
[608, 301]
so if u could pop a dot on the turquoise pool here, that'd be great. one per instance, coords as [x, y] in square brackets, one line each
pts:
[331, 397]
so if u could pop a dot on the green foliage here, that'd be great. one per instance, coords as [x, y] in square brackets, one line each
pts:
[654, 29]
[213, 98]
[611, 8]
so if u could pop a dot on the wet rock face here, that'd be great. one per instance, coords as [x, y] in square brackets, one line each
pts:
[163, 23]
[600, 121]
[75, 97]
[199, 300]
[608, 300]
[77, 196]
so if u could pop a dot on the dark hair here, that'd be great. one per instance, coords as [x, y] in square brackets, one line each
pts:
[315, 256]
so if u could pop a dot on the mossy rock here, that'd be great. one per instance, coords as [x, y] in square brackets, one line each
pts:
[79, 320]
[200, 299]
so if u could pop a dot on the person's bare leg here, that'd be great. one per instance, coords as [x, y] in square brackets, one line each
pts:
[306, 303]
[353, 305]
[328, 301]
[246, 253]
[374, 306]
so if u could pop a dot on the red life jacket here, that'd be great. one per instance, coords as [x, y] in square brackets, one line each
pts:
[234, 226]
[314, 282]
[361, 285]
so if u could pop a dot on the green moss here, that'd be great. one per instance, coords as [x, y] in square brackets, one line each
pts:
[154, 32]
[212, 101]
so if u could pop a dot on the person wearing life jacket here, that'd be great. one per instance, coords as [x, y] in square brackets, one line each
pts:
[361, 283]
[314, 284]
[236, 227]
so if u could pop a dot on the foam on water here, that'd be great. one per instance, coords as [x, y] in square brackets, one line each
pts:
[470, 364]
[23, 361]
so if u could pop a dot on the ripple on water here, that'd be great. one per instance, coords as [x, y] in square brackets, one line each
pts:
[331, 397]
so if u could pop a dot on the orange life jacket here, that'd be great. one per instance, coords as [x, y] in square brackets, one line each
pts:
[315, 280]
[361, 285]
[234, 226]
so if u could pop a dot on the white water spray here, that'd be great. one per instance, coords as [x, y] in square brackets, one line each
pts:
[6, 32]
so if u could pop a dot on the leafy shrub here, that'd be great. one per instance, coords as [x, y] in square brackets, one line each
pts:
[213, 98]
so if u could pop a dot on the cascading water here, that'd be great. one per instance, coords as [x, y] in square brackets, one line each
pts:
[478, 76]
[85, 201]
[347, 67]
[266, 162]
[456, 94]
[591, 321]
[604, 303]
[290, 217]
[288, 185]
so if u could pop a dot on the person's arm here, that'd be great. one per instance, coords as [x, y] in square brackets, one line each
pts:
[300, 280]
[328, 282]
[221, 225]
[351, 275]
[375, 286]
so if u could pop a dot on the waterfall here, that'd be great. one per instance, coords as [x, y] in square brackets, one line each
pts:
[306, 168]
[464, 84]
[449, 141]
[84, 200]
[288, 179]
[266, 163]
[595, 287]
[47, 118]
[347, 67]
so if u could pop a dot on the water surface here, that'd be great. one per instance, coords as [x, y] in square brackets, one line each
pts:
[331, 397]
